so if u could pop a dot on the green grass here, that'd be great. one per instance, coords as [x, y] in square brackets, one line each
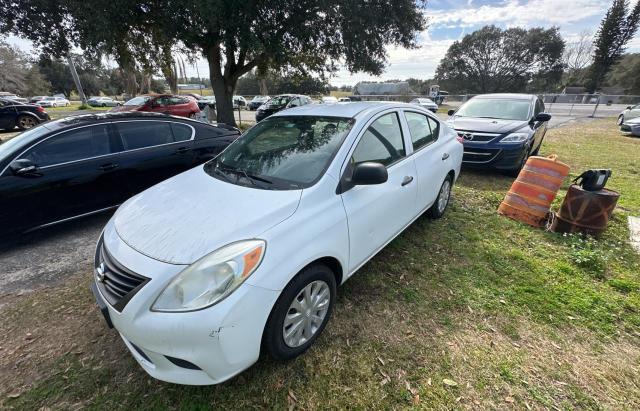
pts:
[515, 316]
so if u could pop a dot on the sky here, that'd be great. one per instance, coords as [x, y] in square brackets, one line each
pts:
[450, 20]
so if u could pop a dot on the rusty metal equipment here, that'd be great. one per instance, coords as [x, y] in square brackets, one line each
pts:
[531, 194]
[585, 211]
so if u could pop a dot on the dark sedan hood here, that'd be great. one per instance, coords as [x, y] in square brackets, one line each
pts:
[486, 125]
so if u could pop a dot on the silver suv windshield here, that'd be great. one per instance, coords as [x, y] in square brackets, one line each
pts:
[281, 153]
[498, 108]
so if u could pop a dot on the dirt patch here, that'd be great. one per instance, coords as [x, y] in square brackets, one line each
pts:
[45, 257]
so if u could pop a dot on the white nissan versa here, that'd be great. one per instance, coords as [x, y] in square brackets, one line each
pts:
[201, 270]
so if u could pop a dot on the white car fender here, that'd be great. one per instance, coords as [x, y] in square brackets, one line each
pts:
[325, 234]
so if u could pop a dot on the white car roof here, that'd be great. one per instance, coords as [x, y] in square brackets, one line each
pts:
[347, 110]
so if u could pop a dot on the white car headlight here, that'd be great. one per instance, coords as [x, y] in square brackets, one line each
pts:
[212, 278]
[515, 138]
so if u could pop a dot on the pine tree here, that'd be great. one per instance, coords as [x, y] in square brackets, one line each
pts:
[616, 29]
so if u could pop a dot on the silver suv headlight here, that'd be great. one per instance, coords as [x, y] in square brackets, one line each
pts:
[212, 278]
[515, 138]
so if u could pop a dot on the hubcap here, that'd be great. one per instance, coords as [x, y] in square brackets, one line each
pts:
[27, 122]
[306, 314]
[443, 198]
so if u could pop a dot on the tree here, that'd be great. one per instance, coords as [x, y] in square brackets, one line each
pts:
[308, 36]
[493, 60]
[35, 83]
[616, 29]
[625, 74]
[13, 69]
[578, 54]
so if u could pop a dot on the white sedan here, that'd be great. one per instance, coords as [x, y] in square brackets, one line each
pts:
[53, 102]
[201, 270]
[425, 103]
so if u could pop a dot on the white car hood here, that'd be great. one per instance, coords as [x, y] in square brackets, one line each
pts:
[192, 214]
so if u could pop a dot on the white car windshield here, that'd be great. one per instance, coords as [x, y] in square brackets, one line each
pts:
[282, 153]
[498, 108]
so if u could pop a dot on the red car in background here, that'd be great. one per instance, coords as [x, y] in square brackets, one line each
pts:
[183, 106]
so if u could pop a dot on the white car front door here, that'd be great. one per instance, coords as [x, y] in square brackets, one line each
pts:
[430, 155]
[376, 213]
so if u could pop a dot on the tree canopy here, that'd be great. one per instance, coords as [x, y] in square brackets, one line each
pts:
[496, 60]
[307, 36]
[617, 27]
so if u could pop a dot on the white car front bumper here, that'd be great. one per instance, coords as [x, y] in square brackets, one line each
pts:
[201, 347]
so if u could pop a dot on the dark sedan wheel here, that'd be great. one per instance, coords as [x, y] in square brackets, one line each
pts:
[25, 122]
[301, 313]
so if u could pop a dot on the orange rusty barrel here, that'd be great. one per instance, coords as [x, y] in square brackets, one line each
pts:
[585, 211]
[531, 194]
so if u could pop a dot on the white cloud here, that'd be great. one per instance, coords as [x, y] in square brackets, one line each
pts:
[517, 13]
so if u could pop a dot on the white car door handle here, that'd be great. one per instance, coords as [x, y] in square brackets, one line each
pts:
[406, 180]
[445, 156]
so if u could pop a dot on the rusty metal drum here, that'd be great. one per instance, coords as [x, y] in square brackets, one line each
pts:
[585, 211]
[531, 194]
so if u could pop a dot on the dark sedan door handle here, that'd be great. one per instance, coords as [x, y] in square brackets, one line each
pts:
[107, 167]
[182, 150]
[445, 156]
[406, 180]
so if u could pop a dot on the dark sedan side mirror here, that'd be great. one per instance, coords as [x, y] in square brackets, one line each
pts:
[451, 112]
[369, 173]
[541, 117]
[629, 107]
[23, 167]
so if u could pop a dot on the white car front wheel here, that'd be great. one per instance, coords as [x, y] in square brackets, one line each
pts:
[620, 119]
[301, 312]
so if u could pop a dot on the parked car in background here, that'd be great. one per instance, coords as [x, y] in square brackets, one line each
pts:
[344, 99]
[281, 102]
[631, 126]
[239, 101]
[12, 96]
[629, 113]
[176, 105]
[426, 103]
[102, 102]
[328, 100]
[85, 164]
[500, 131]
[53, 102]
[201, 271]
[22, 115]
[35, 99]
[257, 101]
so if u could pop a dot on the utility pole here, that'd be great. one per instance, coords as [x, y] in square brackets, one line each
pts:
[76, 79]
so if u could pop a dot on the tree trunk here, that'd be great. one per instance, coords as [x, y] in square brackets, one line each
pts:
[224, 100]
[223, 87]
[263, 87]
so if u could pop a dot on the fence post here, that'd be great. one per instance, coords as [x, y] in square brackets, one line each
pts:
[596, 107]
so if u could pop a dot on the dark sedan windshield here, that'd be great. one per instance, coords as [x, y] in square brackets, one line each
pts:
[279, 101]
[281, 152]
[498, 108]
